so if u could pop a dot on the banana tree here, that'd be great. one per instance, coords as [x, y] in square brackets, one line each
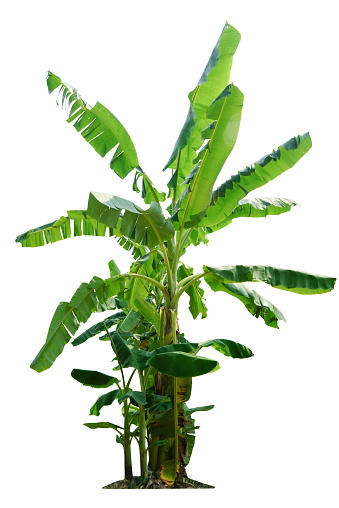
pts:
[158, 235]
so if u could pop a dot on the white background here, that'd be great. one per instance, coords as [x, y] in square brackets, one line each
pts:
[272, 438]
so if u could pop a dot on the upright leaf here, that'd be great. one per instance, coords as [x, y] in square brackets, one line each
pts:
[213, 81]
[226, 197]
[225, 112]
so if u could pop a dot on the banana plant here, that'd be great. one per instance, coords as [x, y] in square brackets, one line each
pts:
[158, 235]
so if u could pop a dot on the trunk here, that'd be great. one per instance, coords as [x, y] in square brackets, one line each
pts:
[127, 445]
[142, 443]
[173, 421]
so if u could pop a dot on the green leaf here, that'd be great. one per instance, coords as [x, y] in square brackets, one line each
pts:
[76, 223]
[226, 113]
[149, 193]
[212, 82]
[138, 397]
[195, 292]
[93, 378]
[256, 304]
[113, 268]
[149, 312]
[142, 226]
[181, 364]
[98, 126]
[280, 278]
[103, 425]
[130, 321]
[88, 299]
[201, 408]
[98, 328]
[159, 443]
[226, 197]
[227, 348]
[185, 347]
[257, 207]
[128, 354]
[104, 400]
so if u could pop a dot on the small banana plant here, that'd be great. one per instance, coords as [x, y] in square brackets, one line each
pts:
[144, 333]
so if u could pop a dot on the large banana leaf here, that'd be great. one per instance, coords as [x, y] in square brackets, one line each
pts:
[280, 278]
[256, 304]
[224, 346]
[213, 81]
[225, 112]
[257, 207]
[226, 197]
[104, 213]
[182, 365]
[146, 227]
[103, 131]
[88, 298]
[98, 126]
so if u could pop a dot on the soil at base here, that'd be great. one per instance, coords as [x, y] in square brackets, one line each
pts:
[154, 482]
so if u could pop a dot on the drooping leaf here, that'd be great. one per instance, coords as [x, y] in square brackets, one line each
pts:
[128, 354]
[93, 378]
[150, 266]
[226, 197]
[148, 193]
[168, 471]
[227, 348]
[76, 223]
[98, 126]
[256, 304]
[280, 278]
[88, 299]
[130, 321]
[195, 292]
[181, 364]
[104, 400]
[149, 312]
[138, 397]
[213, 81]
[142, 226]
[256, 207]
[133, 228]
